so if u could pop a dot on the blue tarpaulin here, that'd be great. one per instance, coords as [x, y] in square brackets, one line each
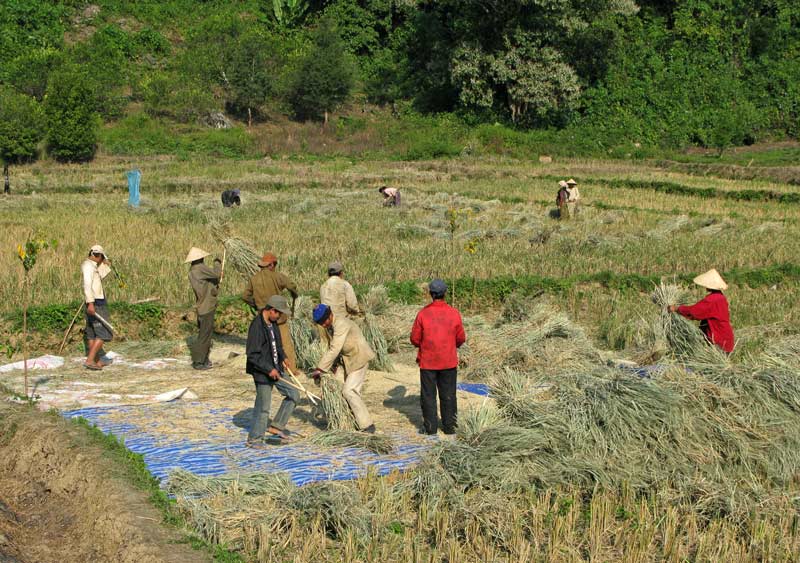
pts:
[134, 176]
[224, 451]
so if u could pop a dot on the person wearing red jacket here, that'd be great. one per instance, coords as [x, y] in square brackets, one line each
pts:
[438, 332]
[712, 311]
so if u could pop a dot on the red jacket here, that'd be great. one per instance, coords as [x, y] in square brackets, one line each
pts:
[714, 317]
[437, 332]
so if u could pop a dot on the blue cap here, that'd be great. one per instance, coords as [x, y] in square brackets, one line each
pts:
[438, 287]
[321, 313]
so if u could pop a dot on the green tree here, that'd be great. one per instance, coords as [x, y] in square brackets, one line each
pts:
[22, 126]
[324, 77]
[255, 63]
[72, 120]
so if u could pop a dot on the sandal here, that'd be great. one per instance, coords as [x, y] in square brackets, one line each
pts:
[93, 367]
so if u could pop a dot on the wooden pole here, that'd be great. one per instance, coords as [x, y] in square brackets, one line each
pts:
[69, 329]
[25, 332]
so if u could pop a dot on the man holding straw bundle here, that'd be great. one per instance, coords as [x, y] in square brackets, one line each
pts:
[205, 283]
[98, 329]
[266, 283]
[712, 311]
[265, 360]
[349, 351]
[438, 332]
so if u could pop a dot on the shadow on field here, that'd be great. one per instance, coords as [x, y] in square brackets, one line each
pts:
[244, 418]
[405, 404]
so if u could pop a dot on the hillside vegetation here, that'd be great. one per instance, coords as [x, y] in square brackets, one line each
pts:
[574, 77]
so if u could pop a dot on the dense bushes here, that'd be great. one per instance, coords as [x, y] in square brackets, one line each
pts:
[72, 119]
[587, 76]
[21, 126]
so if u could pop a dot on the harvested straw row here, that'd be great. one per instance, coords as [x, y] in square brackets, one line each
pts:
[375, 443]
[185, 483]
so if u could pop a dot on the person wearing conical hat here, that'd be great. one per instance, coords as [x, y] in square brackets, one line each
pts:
[205, 283]
[712, 311]
[268, 281]
[573, 197]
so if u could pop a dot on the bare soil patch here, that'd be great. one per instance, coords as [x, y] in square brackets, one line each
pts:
[63, 500]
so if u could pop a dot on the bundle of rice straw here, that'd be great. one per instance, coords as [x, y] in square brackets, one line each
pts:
[305, 335]
[239, 253]
[186, 483]
[375, 443]
[374, 304]
[338, 506]
[334, 408]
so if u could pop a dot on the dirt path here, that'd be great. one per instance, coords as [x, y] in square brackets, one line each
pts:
[62, 500]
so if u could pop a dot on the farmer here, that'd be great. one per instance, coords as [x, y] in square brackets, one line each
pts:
[573, 197]
[348, 354]
[205, 283]
[263, 285]
[712, 311]
[230, 198]
[98, 329]
[438, 332]
[561, 200]
[338, 294]
[391, 196]
[265, 361]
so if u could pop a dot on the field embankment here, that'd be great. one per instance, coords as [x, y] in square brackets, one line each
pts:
[64, 499]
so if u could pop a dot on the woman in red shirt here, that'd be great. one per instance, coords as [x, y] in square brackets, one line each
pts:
[712, 311]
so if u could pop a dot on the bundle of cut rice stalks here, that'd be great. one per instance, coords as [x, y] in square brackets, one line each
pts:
[375, 443]
[334, 407]
[239, 253]
[376, 303]
[305, 335]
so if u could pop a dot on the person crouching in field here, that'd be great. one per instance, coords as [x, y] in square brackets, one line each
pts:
[205, 283]
[438, 332]
[391, 196]
[348, 354]
[98, 330]
[712, 311]
[265, 361]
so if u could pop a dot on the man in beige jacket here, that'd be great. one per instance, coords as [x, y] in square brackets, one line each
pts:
[348, 354]
[338, 294]
[205, 283]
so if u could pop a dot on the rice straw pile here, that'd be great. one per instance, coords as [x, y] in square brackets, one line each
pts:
[375, 443]
[305, 335]
[376, 303]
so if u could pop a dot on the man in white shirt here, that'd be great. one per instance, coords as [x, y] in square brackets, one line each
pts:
[338, 294]
[98, 329]
[391, 196]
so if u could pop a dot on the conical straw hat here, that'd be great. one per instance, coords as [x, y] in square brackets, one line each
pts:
[711, 280]
[195, 254]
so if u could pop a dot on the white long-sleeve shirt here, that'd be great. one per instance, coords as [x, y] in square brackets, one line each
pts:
[93, 280]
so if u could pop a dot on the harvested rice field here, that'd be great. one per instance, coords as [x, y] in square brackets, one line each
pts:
[593, 424]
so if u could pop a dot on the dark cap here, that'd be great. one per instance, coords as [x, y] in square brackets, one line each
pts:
[321, 312]
[279, 303]
[437, 287]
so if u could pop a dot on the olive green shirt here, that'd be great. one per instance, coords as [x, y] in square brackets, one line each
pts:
[263, 285]
[345, 339]
[205, 283]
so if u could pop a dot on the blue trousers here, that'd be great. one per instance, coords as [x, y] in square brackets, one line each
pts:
[262, 406]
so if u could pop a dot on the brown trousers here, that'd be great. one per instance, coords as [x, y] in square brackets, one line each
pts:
[288, 346]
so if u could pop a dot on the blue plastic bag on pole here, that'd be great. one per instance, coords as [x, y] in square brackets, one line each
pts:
[134, 176]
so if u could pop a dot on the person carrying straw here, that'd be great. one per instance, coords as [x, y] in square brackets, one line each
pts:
[437, 333]
[712, 311]
[265, 362]
[348, 354]
[268, 281]
[98, 330]
[205, 283]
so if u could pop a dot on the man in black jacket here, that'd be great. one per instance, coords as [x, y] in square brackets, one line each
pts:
[265, 357]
